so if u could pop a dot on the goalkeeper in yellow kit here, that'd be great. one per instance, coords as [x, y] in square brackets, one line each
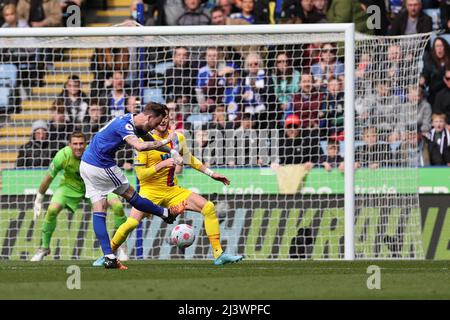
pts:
[156, 173]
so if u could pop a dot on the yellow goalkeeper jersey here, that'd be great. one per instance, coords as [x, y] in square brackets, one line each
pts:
[146, 161]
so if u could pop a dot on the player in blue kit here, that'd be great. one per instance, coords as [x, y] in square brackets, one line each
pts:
[101, 175]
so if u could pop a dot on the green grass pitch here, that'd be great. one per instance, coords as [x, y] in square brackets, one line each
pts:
[180, 279]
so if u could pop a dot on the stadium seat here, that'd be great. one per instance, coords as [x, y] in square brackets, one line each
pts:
[153, 95]
[62, 78]
[14, 131]
[8, 156]
[31, 116]
[80, 53]
[37, 104]
[11, 142]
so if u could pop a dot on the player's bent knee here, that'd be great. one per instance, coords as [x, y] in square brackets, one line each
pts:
[128, 193]
[52, 212]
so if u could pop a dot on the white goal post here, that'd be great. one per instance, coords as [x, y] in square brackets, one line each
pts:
[350, 49]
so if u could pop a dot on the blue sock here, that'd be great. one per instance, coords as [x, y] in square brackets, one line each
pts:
[99, 221]
[145, 205]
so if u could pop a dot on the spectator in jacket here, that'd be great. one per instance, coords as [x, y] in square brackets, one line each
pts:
[307, 102]
[331, 112]
[75, 100]
[346, 11]
[285, 80]
[415, 95]
[304, 10]
[298, 146]
[445, 15]
[168, 12]
[394, 67]
[372, 153]
[255, 88]
[105, 62]
[332, 159]
[328, 66]
[38, 152]
[439, 141]
[95, 119]
[58, 128]
[386, 112]
[435, 64]
[442, 102]
[411, 21]
[194, 14]
[181, 78]
[118, 96]
[411, 151]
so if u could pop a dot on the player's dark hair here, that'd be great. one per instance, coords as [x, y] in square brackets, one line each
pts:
[157, 109]
[77, 134]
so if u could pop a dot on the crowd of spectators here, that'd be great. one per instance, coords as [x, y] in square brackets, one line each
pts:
[295, 90]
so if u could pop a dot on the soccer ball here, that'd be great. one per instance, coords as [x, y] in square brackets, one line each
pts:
[182, 236]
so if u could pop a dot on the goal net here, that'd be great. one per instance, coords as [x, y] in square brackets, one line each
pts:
[266, 110]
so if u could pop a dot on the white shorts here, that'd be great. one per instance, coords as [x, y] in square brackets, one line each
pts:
[100, 182]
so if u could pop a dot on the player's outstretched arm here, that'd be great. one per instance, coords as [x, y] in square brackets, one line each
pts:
[56, 166]
[45, 184]
[143, 145]
[151, 144]
[214, 175]
[163, 148]
[196, 164]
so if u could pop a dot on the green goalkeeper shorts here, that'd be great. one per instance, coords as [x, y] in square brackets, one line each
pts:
[61, 197]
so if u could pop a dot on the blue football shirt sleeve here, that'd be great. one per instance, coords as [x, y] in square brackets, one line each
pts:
[126, 130]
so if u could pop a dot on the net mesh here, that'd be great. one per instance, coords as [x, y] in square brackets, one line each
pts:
[265, 110]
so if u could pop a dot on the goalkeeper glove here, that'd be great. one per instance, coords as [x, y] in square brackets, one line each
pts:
[38, 205]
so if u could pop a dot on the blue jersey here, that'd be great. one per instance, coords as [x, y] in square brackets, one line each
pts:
[102, 149]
